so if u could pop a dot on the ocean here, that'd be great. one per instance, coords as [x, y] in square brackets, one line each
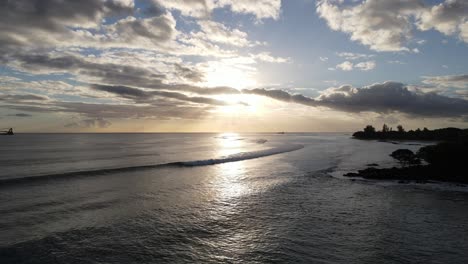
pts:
[219, 198]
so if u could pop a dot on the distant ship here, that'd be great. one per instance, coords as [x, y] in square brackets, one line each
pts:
[7, 132]
[281, 133]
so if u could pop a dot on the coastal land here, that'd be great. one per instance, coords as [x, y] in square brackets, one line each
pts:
[444, 161]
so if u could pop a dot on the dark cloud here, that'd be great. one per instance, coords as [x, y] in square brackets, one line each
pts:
[20, 115]
[113, 74]
[457, 81]
[34, 19]
[56, 15]
[284, 96]
[123, 80]
[153, 9]
[145, 96]
[194, 99]
[393, 96]
[154, 30]
[123, 91]
[188, 73]
[49, 24]
[200, 90]
[159, 109]
[105, 72]
[380, 98]
[17, 98]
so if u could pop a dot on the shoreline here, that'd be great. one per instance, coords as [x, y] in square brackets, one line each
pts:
[417, 174]
[442, 161]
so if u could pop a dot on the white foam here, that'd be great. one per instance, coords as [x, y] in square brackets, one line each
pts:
[243, 156]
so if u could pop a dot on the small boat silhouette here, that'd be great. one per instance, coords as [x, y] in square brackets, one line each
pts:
[7, 132]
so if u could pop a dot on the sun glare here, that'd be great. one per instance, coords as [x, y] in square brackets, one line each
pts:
[241, 104]
[227, 75]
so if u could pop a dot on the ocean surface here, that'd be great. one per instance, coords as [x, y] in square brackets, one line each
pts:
[219, 198]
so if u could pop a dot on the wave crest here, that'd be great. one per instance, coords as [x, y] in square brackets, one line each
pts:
[230, 158]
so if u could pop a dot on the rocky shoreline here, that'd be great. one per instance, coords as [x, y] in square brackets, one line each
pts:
[444, 162]
[417, 174]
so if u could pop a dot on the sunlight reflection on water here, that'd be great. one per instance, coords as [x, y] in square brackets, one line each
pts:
[230, 177]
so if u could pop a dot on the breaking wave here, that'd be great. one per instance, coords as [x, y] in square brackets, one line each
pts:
[230, 158]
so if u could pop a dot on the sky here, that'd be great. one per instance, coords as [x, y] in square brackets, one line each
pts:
[232, 65]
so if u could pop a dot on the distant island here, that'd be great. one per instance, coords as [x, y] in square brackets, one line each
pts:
[445, 161]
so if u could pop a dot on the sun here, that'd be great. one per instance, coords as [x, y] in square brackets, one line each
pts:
[238, 74]
[235, 76]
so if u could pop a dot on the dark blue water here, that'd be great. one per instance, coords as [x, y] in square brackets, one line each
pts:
[280, 208]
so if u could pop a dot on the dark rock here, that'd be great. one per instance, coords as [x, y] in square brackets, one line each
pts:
[446, 161]
[405, 157]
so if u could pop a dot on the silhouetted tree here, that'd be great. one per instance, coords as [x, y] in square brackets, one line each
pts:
[400, 129]
[369, 129]
[385, 128]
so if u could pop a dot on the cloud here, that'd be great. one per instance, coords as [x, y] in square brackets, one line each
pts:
[141, 96]
[159, 109]
[39, 25]
[381, 25]
[396, 62]
[188, 73]
[123, 91]
[146, 32]
[267, 57]
[363, 66]
[383, 98]
[449, 17]
[219, 33]
[387, 25]
[345, 66]
[89, 123]
[113, 74]
[366, 65]
[17, 98]
[354, 56]
[55, 15]
[20, 115]
[48, 22]
[113, 42]
[85, 69]
[456, 81]
[393, 96]
[261, 9]
[195, 8]
[323, 59]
